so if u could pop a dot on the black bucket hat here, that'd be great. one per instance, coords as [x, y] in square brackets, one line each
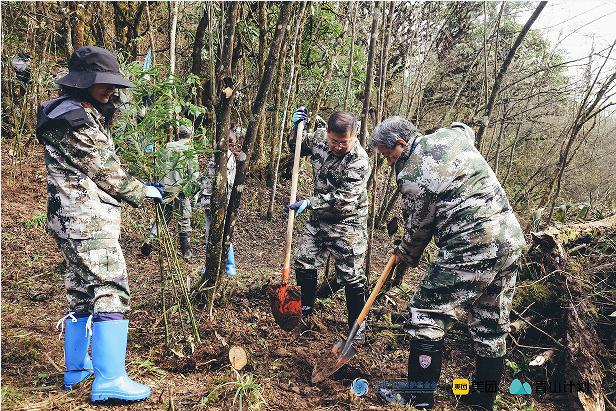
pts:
[93, 65]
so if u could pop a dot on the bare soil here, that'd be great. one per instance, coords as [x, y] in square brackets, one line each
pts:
[281, 363]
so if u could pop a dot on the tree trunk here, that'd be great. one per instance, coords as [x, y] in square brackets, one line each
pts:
[363, 134]
[219, 195]
[197, 50]
[151, 32]
[503, 71]
[295, 46]
[347, 87]
[257, 112]
[172, 34]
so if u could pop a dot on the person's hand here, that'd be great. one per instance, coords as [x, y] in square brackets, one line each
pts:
[298, 206]
[154, 191]
[395, 251]
[301, 114]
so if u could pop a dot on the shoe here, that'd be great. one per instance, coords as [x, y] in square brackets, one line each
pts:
[185, 246]
[146, 249]
[76, 357]
[109, 340]
[487, 378]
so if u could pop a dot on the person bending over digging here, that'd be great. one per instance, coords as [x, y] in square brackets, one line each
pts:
[450, 192]
[338, 223]
[85, 185]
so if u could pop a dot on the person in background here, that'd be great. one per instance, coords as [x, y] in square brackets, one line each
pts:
[182, 167]
[85, 187]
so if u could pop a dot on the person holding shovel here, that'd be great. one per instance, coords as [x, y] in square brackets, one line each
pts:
[338, 222]
[85, 185]
[450, 193]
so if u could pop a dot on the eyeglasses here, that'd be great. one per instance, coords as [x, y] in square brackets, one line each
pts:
[341, 144]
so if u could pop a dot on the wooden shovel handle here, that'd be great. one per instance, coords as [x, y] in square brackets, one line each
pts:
[379, 284]
[292, 199]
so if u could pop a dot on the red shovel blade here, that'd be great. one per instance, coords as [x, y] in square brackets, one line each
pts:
[286, 304]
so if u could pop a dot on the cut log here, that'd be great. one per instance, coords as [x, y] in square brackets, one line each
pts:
[238, 357]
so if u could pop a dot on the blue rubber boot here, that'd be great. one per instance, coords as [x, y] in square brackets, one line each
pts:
[76, 357]
[109, 358]
[230, 267]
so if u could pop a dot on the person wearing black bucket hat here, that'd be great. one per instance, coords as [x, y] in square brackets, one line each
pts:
[85, 186]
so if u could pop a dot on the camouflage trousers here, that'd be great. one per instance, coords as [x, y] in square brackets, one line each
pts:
[480, 292]
[180, 208]
[347, 244]
[96, 279]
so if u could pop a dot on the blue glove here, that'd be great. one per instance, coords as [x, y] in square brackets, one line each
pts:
[154, 191]
[149, 148]
[301, 114]
[298, 206]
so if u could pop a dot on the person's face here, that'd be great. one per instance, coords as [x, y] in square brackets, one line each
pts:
[340, 144]
[232, 143]
[102, 92]
[392, 154]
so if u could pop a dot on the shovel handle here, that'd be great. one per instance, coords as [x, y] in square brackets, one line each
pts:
[375, 292]
[292, 199]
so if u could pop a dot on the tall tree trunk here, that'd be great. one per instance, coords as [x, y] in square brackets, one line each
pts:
[219, 195]
[257, 112]
[151, 32]
[295, 46]
[503, 70]
[259, 151]
[347, 87]
[363, 134]
[172, 34]
[197, 50]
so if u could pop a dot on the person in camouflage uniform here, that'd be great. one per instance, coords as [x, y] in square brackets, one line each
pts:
[338, 224]
[85, 186]
[181, 167]
[450, 193]
[206, 182]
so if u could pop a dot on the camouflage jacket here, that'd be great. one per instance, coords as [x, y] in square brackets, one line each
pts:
[85, 180]
[450, 192]
[340, 192]
[206, 181]
[181, 165]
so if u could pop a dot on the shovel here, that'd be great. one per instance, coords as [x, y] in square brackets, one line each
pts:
[342, 352]
[285, 299]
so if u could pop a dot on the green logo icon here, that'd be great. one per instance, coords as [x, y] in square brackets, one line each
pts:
[518, 388]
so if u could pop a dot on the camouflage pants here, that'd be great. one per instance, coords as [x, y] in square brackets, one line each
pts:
[96, 279]
[346, 244]
[481, 292]
[179, 207]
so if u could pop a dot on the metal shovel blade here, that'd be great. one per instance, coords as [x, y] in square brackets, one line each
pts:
[286, 304]
[331, 361]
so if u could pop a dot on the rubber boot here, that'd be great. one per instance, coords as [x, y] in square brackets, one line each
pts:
[185, 246]
[424, 371]
[307, 280]
[109, 358]
[355, 299]
[487, 378]
[76, 357]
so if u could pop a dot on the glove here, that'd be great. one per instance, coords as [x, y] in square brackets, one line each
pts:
[395, 250]
[301, 114]
[298, 206]
[149, 148]
[154, 191]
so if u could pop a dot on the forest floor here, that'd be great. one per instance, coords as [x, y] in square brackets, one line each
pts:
[33, 300]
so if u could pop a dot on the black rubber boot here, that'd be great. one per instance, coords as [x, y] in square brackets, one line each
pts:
[355, 300]
[487, 378]
[307, 280]
[146, 249]
[185, 246]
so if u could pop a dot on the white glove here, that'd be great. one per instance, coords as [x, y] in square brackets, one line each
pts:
[154, 193]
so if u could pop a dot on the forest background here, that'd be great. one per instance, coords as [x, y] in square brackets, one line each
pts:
[544, 121]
